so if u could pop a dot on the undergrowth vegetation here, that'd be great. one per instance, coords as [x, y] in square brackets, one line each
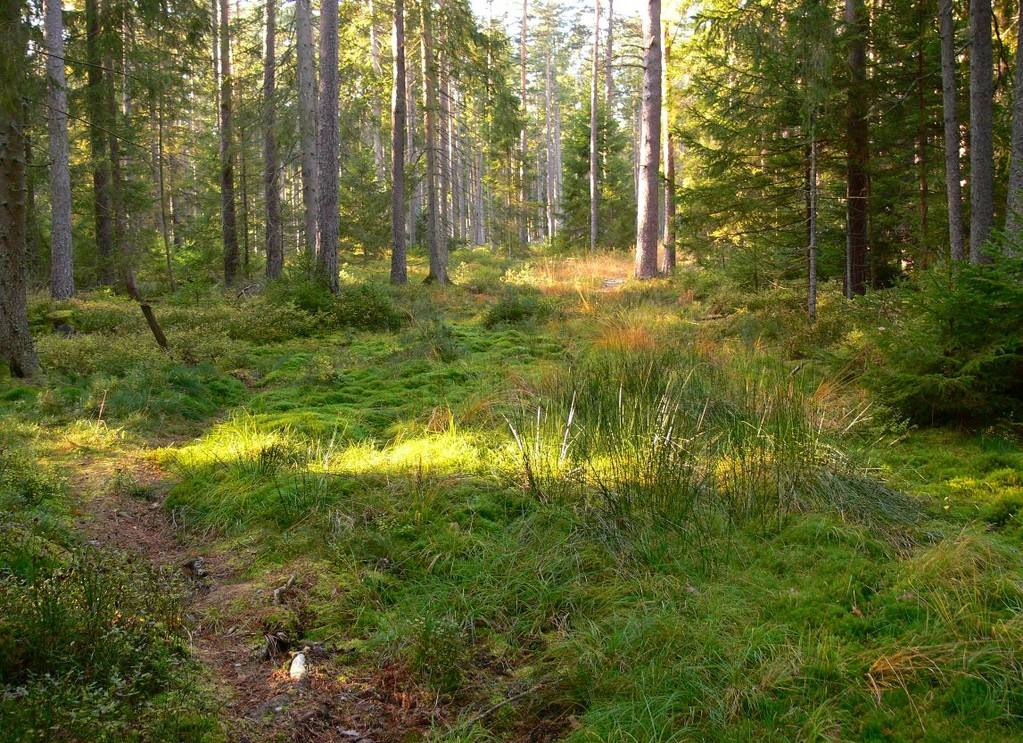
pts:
[604, 511]
[91, 642]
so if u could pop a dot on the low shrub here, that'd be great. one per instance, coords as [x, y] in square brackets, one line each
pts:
[260, 321]
[517, 307]
[955, 349]
[92, 643]
[84, 355]
[364, 307]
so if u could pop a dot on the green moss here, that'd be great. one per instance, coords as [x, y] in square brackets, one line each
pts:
[843, 610]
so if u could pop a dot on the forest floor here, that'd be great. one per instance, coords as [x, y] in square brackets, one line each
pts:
[335, 701]
[548, 503]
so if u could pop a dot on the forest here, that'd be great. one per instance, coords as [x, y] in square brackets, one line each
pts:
[547, 370]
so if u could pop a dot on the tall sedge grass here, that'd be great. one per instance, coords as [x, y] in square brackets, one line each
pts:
[662, 436]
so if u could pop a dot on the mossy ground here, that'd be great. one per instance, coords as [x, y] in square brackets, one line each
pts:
[444, 526]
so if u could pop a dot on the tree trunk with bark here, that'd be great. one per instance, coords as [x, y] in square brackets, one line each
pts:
[669, 166]
[95, 100]
[16, 349]
[552, 189]
[307, 121]
[1014, 206]
[857, 151]
[594, 150]
[112, 70]
[399, 270]
[228, 213]
[953, 176]
[811, 225]
[62, 269]
[437, 249]
[523, 151]
[329, 146]
[923, 120]
[609, 85]
[650, 141]
[444, 176]
[982, 152]
[378, 70]
[271, 165]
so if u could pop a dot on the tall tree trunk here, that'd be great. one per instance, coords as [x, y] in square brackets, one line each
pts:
[811, 224]
[609, 84]
[669, 166]
[16, 348]
[228, 214]
[437, 249]
[177, 202]
[982, 153]
[399, 270]
[1014, 206]
[646, 201]
[98, 142]
[444, 154]
[523, 144]
[329, 145]
[857, 151]
[594, 185]
[243, 182]
[160, 154]
[417, 196]
[480, 227]
[62, 269]
[112, 63]
[271, 166]
[552, 228]
[307, 121]
[378, 70]
[558, 166]
[215, 19]
[921, 133]
[953, 177]
[32, 241]
[455, 169]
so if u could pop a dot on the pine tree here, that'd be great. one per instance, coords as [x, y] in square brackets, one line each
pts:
[650, 141]
[328, 146]
[271, 168]
[16, 348]
[62, 272]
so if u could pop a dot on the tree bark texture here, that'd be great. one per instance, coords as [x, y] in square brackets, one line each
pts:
[953, 176]
[228, 214]
[62, 271]
[523, 150]
[609, 85]
[307, 120]
[399, 270]
[923, 120]
[1013, 217]
[16, 348]
[649, 146]
[669, 262]
[437, 249]
[95, 99]
[594, 165]
[271, 164]
[552, 189]
[328, 146]
[378, 70]
[811, 227]
[857, 151]
[982, 151]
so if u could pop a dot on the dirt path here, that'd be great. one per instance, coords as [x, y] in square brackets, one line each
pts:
[120, 504]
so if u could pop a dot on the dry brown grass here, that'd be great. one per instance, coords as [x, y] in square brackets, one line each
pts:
[627, 337]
